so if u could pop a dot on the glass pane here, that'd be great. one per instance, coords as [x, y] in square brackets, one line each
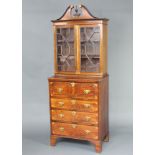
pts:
[90, 49]
[65, 49]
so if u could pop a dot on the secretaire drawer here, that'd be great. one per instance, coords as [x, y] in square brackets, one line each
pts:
[74, 90]
[75, 117]
[75, 130]
[72, 104]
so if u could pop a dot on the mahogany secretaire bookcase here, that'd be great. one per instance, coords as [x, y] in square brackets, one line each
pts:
[78, 91]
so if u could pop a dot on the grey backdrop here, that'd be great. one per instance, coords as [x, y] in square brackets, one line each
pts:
[38, 66]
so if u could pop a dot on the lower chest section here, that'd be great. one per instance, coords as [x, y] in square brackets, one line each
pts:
[74, 109]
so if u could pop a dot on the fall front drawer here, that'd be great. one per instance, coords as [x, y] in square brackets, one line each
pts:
[74, 90]
[75, 130]
[75, 117]
[69, 104]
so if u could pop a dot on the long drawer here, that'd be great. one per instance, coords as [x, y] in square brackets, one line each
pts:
[75, 117]
[75, 130]
[70, 104]
[74, 90]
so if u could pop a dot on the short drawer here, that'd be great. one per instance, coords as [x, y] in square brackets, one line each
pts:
[71, 104]
[74, 130]
[86, 90]
[63, 89]
[75, 117]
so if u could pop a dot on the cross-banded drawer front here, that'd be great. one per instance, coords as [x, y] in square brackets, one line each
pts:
[71, 104]
[75, 117]
[75, 130]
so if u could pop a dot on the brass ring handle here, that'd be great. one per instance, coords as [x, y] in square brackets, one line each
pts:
[73, 113]
[74, 126]
[61, 115]
[61, 103]
[86, 91]
[61, 128]
[60, 90]
[87, 131]
[87, 118]
[86, 105]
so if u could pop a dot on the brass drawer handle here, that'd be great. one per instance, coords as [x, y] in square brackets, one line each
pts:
[61, 115]
[94, 85]
[73, 102]
[61, 128]
[87, 131]
[87, 118]
[73, 113]
[61, 103]
[60, 90]
[86, 91]
[74, 126]
[72, 84]
[86, 105]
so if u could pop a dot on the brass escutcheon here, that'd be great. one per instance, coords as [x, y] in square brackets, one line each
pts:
[72, 84]
[61, 115]
[61, 103]
[87, 118]
[61, 128]
[74, 125]
[86, 105]
[86, 91]
[73, 102]
[73, 113]
[60, 90]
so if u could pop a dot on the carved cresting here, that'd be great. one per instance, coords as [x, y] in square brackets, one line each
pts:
[76, 12]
